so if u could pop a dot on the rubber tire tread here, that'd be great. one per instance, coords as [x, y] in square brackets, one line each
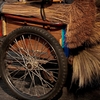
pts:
[51, 39]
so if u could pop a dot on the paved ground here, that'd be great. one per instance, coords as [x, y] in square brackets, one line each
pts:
[79, 94]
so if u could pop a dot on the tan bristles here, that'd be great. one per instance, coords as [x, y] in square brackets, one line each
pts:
[86, 66]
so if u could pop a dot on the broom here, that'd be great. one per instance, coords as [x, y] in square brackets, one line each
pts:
[83, 39]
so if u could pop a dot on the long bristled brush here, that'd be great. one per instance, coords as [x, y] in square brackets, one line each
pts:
[84, 32]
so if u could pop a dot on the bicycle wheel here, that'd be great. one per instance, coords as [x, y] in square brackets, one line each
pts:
[33, 64]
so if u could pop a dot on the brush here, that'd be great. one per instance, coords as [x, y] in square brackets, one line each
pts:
[84, 32]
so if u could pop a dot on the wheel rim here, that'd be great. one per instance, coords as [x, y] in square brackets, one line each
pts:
[32, 66]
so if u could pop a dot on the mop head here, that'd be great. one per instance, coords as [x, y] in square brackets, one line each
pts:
[83, 31]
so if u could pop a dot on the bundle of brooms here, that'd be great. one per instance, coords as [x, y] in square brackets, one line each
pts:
[82, 36]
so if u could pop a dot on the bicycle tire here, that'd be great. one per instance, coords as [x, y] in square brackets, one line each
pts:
[25, 56]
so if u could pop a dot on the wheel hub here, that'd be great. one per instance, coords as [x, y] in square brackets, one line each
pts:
[29, 66]
[32, 64]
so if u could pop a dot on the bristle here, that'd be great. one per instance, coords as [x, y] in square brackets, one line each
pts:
[86, 66]
[95, 37]
[95, 51]
[82, 19]
[58, 13]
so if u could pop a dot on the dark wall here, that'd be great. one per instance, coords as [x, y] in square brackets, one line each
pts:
[98, 3]
[69, 1]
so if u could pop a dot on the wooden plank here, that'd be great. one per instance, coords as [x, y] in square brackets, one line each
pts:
[24, 1]
[57, 1]
[11, 25]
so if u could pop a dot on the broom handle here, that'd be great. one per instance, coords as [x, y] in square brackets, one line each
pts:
[65, 48]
